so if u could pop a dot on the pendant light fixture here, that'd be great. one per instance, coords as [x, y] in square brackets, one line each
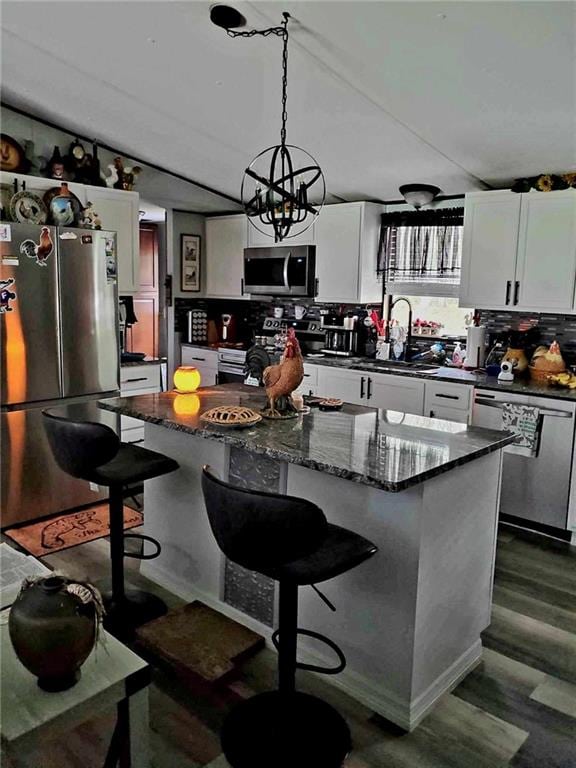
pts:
[283, 188]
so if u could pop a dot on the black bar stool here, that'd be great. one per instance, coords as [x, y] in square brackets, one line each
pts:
[93, 452]
[289, 540]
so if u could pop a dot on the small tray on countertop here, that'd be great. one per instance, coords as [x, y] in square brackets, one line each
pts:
[330, 404]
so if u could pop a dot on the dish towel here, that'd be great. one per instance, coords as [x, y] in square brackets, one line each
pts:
[525, 421]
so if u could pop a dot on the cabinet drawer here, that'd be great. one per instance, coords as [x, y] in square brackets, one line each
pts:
[441, 394]
[140, 377]
[199, 356]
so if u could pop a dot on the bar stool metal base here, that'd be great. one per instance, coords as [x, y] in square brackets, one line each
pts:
[285, 730]
[136, 608]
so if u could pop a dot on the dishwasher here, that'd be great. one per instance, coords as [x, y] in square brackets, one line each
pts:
[534, 488]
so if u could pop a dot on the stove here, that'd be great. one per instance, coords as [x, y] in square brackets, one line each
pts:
[309, 333]
[231, 363]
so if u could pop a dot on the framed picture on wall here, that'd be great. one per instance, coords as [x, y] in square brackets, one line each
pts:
[190, 262]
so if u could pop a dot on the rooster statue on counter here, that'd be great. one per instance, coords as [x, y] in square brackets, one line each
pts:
[282, 379]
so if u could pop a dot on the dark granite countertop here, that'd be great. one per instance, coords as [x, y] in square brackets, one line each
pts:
[453, 375]
[385, 449]
[146, 361]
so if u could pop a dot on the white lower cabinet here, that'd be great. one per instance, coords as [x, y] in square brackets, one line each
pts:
[408, 394]
[137, 380]
[309, 384]
[349, 386]
[206, 360]
[448, 401]
[396, 393]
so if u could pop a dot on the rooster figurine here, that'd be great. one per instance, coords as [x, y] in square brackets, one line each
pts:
[282, 379]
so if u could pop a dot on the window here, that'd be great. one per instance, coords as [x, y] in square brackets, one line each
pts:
[423, 249]
[437, 309]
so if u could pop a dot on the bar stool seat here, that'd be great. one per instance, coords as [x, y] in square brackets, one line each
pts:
[132, 464]
[93, 452]
[340, 551]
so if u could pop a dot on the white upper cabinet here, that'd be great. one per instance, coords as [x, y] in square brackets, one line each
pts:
[347, 238]
[519, 251]
[489, 246]
[257, 239]
[226, 238]
[546, 270]
[118, 212]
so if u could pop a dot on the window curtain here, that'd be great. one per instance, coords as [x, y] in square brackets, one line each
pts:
[421, 246]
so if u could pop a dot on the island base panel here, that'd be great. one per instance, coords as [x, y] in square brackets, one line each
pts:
[409, 620]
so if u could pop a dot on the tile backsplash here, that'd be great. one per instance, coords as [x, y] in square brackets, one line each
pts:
[561, 328]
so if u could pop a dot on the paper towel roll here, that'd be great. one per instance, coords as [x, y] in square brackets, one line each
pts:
[475, 346]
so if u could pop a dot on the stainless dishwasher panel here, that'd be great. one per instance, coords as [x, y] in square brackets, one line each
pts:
[534, 488]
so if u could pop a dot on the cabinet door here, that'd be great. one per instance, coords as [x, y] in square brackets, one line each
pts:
[442, 396]
[489, 247]
[349, 386]
[396, 393]
[309, 385]
[547, 252]
[447, 413]
[338, 253]
[118, 211]
[225, 243]
[257, 239]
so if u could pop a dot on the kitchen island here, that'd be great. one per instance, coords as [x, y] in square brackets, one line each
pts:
[425, 491]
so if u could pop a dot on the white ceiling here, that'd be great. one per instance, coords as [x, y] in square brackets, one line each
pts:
[458, 94]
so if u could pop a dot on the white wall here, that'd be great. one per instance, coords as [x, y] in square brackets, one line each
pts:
[188, 224]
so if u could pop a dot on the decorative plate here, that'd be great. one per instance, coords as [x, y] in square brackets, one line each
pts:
[231, 416]
[28, 208]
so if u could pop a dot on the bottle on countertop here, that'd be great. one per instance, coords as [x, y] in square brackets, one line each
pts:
[458, 355]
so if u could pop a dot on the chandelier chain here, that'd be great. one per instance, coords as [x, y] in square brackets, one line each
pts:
[281, 31]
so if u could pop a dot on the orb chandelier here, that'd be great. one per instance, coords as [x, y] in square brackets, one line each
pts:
[283, 188]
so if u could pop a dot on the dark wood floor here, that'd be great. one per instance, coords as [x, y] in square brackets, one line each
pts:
[517, 708]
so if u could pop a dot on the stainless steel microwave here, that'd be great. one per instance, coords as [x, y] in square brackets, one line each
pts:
[281, 271]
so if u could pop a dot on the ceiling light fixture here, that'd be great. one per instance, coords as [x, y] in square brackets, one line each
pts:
[281, 181]
[418, 194]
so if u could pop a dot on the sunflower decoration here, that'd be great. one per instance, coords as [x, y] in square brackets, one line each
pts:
[546, 182]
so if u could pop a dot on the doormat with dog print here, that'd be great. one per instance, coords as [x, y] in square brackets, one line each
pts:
[69, 530]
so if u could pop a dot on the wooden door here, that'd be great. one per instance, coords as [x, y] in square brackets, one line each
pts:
[143, 336]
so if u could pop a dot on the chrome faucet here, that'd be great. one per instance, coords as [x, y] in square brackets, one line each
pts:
[408, 344]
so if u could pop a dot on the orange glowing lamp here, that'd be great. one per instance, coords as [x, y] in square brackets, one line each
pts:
[186, 379]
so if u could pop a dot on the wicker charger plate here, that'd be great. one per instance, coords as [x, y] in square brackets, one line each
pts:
[235, 416]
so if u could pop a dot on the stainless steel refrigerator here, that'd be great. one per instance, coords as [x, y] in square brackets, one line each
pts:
[59, 349]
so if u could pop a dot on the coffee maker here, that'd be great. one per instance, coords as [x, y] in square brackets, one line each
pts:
[340, 341]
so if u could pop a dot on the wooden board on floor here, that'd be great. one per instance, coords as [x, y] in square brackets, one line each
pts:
[198, 642]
